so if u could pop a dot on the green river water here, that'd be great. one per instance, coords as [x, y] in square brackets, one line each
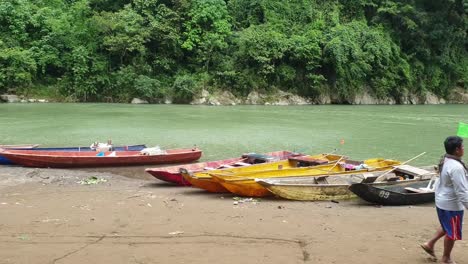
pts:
[398, 132]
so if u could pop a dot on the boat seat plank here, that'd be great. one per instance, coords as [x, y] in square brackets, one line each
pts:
[411, 170]
[369, 179]
[416, 190]
[321, 180]
[240, 163]
[225, 166]
[309, 160]
[392, 178]
[259, 158]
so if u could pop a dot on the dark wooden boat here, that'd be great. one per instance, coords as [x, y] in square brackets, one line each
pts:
[67, 159]
[404, 193]
[172, 174]
[5, 161]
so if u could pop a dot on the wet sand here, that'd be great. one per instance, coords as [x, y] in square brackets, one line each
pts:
[48, 216]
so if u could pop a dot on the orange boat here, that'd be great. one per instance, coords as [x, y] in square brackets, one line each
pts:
[68, 159]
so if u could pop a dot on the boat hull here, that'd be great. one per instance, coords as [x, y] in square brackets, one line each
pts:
[245, 188]
[172, 174]
[5, 161]
[315, 193]
[392, 194]
[206, 184]
[205, 181]
[245, 184]
[69, 159]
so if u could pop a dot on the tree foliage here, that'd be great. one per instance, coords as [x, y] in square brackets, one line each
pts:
[101, 50]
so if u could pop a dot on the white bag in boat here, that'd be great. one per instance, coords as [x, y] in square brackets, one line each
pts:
[152, 151]
[101, 147]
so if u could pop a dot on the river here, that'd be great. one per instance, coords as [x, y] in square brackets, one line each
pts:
[398, 132]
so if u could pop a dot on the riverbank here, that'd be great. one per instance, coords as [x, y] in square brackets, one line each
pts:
[457, 96]
[54, 216]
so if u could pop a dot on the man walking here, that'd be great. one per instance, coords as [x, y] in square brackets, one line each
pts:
[451, 197]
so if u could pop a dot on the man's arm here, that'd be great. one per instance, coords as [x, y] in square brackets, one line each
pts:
[460, 184]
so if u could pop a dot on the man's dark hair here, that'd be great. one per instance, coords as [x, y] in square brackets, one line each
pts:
[452, 143]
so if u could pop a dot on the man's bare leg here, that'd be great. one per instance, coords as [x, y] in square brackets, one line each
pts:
[448, 246]
[429, 246]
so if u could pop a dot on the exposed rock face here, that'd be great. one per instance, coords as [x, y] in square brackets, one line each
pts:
[280, 98]
[285, 98]
[409, 99]
[323, 99]
[139, 101]
[433, 99]
[201, 99]
[227, 98]
[459, 96]
[366, 99]
[10, 98]
[220, 98]
[255, 98]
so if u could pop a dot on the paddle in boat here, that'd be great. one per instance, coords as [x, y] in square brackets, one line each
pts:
[172, 174]
[327, 187]
[245, 184]
[64, 159]
[204, 180]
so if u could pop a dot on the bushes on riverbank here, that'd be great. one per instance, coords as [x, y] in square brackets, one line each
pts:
[102, 50]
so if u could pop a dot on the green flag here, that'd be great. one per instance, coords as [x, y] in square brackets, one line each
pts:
[462, 130]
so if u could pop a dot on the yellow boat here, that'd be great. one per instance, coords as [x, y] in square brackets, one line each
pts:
[244, 184]
[204, 180]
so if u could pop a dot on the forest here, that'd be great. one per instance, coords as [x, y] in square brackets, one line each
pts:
[115, 50]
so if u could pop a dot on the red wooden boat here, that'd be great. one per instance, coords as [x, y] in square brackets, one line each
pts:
[171, 174]
[67, 159]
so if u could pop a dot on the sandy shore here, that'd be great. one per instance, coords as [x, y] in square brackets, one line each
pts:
[48, 216]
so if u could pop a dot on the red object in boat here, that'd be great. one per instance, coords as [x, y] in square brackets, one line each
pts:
[171, 174]
[68, 159]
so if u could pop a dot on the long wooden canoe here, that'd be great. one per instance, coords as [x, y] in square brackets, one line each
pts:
[334, 187]
[63, 159]
[5, 161]
[172, 174]
[204, 180]
[244, 184]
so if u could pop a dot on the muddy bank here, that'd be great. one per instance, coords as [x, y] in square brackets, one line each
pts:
[50, 216]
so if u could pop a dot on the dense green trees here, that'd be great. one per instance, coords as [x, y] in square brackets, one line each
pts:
[102, 50]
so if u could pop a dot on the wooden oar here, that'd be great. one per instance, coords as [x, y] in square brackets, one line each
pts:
[396, 167]
[336, 163]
